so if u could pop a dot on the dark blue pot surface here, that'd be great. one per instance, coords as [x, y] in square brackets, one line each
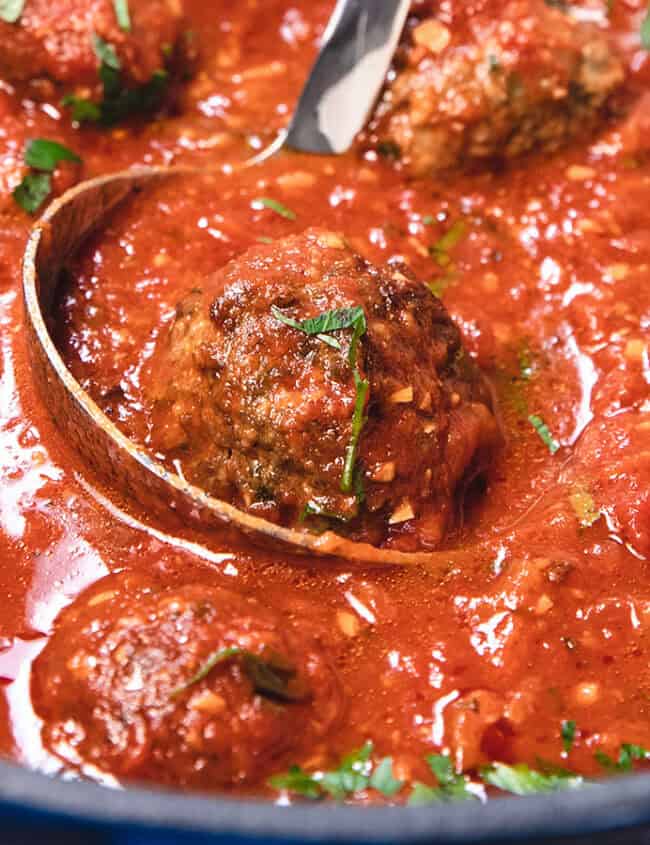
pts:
[35, 808]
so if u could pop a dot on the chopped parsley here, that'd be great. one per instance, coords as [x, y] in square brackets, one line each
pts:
[122, 14]
[358, 421]
[520, 779]
[42, 156]
[276, 206]
[11, 10]
[452, 785]
[568, 733]
[321, 327]
[355, 773]
[270, 675]
[544, 433]
[118, 102]
[645, 31]
[33, 191]
[440, 250]
[627, 755]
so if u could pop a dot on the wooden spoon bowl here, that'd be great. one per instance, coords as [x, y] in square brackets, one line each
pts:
[122, 464]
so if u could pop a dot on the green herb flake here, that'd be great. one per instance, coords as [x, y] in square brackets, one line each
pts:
[358, 421]
[11, 10]
[439, 285]
[628, 754]
[321, 327]
[276, 206]
[452, 785]
[544, 433]
[42, 154]
[352, 775]
[428, 220]
[33, 191]
[568, 733]
[270, 675]
[106, 54]
[520, 779]
[383, 780]
[584, 507]
[645, 31]
[122, 14]
[440, 250]
[118, 103]
[297, 782]
[355, 774]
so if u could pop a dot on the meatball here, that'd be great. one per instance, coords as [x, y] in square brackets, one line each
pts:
[195, 686]
[61, 41]
[307, 385]
[496, 82]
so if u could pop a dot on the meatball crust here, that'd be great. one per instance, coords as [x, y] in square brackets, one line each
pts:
[366, 430]
[54, 40]
[493, 82]
[118, 689]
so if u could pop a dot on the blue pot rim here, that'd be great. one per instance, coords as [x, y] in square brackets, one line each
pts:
[620, 803]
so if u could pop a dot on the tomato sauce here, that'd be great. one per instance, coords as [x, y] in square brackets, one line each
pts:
[543, 614]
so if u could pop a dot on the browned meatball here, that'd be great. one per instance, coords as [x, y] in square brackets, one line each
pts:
[57, 40]
[367, 427]
[124, 685]
[493, 81]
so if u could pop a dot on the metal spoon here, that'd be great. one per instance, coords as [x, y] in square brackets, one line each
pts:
[347, 76]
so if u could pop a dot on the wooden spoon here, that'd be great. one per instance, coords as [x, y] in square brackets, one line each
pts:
[127, 467]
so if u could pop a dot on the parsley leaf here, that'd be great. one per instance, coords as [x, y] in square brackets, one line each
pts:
[33, 191]
[358, 421]
[520, 779]
[321, 326]
[298, 782]
[352, 775]
[627, 755]
[645, 31]
[11, 10]
[383, 780]
[355, 773]
[122, 14]
[568, 732]
[544, 433]
[42, 154]
[440, 250]
[276, 206]
[452, 786]
[118, 102]
[270, 675]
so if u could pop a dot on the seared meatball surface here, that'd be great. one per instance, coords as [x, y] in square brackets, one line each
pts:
[196, 685]
[56, 40]
[497, 80]
[307, 385]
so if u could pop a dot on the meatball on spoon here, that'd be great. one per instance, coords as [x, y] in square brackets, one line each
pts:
[340, 496]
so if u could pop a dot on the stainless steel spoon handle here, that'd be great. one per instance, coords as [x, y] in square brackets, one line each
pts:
[358, 47]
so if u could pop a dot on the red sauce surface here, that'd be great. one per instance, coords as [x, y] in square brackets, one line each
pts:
[550, 620]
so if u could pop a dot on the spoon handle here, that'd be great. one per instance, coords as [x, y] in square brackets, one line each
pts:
[358, 47]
